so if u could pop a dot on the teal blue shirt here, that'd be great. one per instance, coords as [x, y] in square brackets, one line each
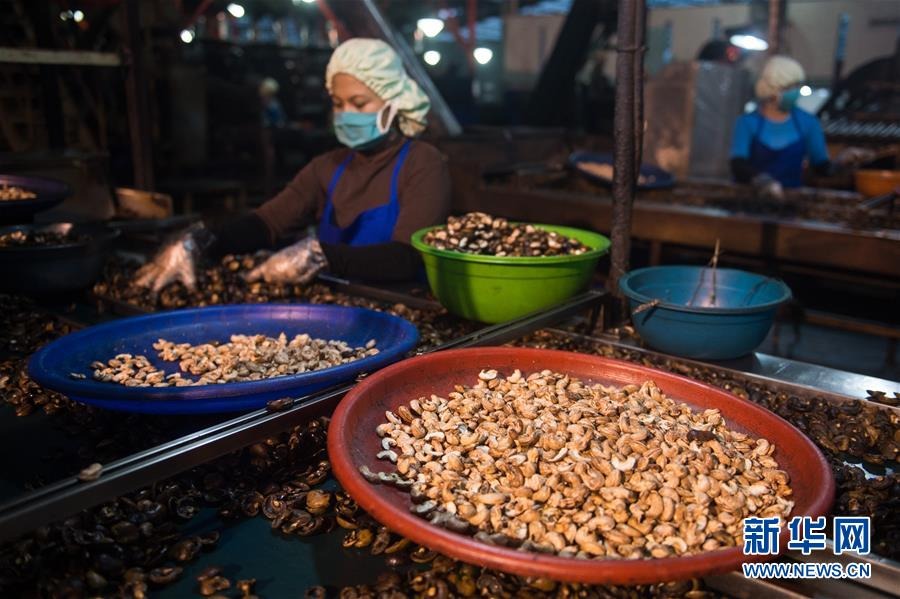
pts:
[779, 135]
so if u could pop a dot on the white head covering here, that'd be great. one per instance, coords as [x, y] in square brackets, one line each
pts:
[268, 87]
[778, 74]
[376, 64]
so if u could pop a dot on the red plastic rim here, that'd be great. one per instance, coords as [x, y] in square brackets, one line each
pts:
[352, 442]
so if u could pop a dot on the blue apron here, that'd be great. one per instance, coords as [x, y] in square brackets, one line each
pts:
[785, 165]
[375, 225]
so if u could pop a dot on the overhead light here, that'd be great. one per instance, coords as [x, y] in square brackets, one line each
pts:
[299, 2]
[65, 15]
[430, 26]
[432, 57]
[309, 1]
[748, 41]
[806, 90]
[187, 36]
[235, 10]
[78, 16]
[483, 55]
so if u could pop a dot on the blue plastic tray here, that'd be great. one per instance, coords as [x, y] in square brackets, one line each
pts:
[661, 179]
[49, 193]
[51, 365]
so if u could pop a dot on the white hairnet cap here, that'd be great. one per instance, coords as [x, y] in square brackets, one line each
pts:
[778, 74]
[376, 64]
[268, 86]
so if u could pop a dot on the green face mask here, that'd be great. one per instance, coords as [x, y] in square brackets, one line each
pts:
[789, 99]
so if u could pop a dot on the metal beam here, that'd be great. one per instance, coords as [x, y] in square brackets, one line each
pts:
[136, 93]
[59, 57]
[549, 102]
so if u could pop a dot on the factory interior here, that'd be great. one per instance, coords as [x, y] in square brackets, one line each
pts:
[450, 298]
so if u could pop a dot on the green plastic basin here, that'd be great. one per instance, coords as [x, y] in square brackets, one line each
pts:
[497, 289]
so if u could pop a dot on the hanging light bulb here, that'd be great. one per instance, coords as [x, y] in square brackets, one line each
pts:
[483, 55]
[430, 26]
[749, 42]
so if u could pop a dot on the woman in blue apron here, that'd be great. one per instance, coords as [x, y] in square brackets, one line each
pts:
[367, 197]
[769, 146]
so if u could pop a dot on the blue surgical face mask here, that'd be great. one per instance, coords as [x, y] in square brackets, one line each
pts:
[789, 99]
[361, 129]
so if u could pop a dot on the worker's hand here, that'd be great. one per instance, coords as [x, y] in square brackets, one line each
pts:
[297, 263]
[176, 261]
[849, 157]
[767, 187]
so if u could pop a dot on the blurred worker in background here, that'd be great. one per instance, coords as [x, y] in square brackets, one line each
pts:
[721, 51]
[273, 116]
[273, 119]
[769, 145]
[368, 197]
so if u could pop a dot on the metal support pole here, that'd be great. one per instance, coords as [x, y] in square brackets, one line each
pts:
[51, 98]
[137, 98]
[840, 50]
[640, 26]
[626, 133]
[775, 26]
[471, 19]
[343, 32]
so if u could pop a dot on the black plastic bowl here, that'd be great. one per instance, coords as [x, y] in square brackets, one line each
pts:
[49, 192]
[55, 269]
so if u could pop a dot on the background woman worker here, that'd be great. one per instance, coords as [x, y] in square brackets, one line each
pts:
[770, 145]
[368, 198]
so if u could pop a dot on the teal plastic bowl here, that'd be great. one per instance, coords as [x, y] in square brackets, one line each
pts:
[732, 326]
[495, 289]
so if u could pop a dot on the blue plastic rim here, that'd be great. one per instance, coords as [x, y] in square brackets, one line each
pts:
[49, 192]
[53, 364]
[739, 320]
[661, 179]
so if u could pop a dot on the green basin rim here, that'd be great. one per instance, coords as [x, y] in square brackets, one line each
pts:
[598, 243]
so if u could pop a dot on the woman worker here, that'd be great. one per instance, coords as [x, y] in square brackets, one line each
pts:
[368, 198]
[770, 145]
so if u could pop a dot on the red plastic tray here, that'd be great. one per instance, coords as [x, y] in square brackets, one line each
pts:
[352, 442]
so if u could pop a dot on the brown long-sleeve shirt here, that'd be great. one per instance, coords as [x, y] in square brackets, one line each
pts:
[423, 190]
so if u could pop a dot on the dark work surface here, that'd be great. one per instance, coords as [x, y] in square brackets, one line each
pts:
[40, 449]
[283, 566]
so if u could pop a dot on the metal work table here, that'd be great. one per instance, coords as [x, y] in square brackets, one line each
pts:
[789, 241]
[320, 559]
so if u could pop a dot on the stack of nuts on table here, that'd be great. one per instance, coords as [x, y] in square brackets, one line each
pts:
[224, 284]
[21, 238]
[244, 358]
[480, 233]
[547, 463]
[10, 193]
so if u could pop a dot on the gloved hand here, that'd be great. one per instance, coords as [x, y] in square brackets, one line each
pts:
[767, 187]
[177, 260]
[297, 263]
[853, 156]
